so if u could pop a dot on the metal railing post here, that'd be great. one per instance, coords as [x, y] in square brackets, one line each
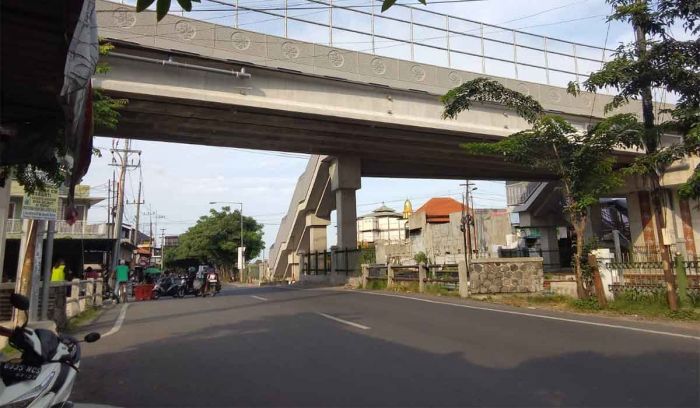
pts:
[236, 18]
[546, 61]
[515, 54]
[330, 23]
[286, 15]
[449, 52]
[575, 61]
[372, 27]
[483, 55]
[410, 10]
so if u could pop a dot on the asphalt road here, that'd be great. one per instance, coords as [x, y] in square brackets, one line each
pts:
[285, 347]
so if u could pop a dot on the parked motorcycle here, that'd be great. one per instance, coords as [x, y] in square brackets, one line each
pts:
[193, 282]
[169, 286]
[45, 374]
[212, 284]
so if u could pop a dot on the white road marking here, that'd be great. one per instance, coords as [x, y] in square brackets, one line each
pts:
[353, 324]
[258, 297]
[118, 323]
[563, 319]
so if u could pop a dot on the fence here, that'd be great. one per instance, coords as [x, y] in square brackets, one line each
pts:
[421, 35]
[641, 269]
[341, 261]
[442, 279]
[66, 299]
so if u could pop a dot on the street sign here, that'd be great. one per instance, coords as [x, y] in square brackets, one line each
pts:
[41, 205]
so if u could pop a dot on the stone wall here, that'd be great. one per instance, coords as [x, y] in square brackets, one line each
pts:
[506, 275]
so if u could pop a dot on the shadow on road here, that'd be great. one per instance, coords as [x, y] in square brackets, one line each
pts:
[305, 360]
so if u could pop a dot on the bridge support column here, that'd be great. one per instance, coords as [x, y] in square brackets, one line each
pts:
[318, 235]
[345, 179]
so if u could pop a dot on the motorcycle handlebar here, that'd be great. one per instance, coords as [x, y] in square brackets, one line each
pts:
[6, 332]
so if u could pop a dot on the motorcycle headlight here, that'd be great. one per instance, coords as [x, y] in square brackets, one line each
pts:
[30, 396]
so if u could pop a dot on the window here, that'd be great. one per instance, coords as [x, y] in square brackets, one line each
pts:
[11, 210]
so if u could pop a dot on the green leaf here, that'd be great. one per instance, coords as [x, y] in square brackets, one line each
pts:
[162, 8]
[387, 5]
[423, 2]
[142, 5]
[185, 4]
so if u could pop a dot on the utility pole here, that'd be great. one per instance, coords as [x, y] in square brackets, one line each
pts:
[473, 211]
[138, 203]
[162, 247]
[124, 164]
[658, 198]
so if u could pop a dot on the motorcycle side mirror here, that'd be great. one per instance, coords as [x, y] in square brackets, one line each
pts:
[92, 337]
[19, 302]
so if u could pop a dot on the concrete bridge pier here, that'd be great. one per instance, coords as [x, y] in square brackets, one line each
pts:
[345, 173]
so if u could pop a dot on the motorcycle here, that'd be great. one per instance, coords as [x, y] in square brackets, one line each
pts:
[193, 283]
[45, 373]
[212, 285]
[168, 286]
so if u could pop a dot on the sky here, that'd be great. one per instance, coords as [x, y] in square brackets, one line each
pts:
[179, 180]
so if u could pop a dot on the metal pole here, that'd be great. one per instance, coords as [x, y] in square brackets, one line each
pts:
[236, 21]
[138, 215]
[48, 262]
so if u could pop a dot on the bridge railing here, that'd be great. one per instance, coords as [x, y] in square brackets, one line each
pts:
[416, 34]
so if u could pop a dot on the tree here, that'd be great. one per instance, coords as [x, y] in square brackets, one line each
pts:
[656, 59]
[215, 239]
[584, 162]
[163, 6]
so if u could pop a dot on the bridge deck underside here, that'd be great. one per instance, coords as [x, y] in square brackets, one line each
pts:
[384, 151]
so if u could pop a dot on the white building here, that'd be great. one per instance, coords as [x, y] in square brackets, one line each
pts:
[382, 224]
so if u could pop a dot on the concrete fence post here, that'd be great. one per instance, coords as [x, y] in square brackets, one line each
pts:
[365, 276]
[463, 281]
[603, 258]
[72, 305]
[422, 276]
[389, 277]
[90, 292]
[98, 292]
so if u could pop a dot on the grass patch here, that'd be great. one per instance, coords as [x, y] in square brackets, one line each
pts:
[87, 316]
[439, 290]
[376, 284]
[407, 287]
[10, 352]
[626, 303]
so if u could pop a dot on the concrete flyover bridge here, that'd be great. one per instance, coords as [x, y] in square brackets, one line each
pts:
[359, 114]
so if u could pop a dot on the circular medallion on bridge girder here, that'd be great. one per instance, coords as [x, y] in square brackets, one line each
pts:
[378, 66]
[240, 41]
[418, 73]
[185, 30]
[455, 78]
[554, 96]
[336, 58]
[123, 18]
[523, 89]
[290, 50]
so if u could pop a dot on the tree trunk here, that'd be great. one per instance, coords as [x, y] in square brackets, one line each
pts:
[579, 229]
[657, 203]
